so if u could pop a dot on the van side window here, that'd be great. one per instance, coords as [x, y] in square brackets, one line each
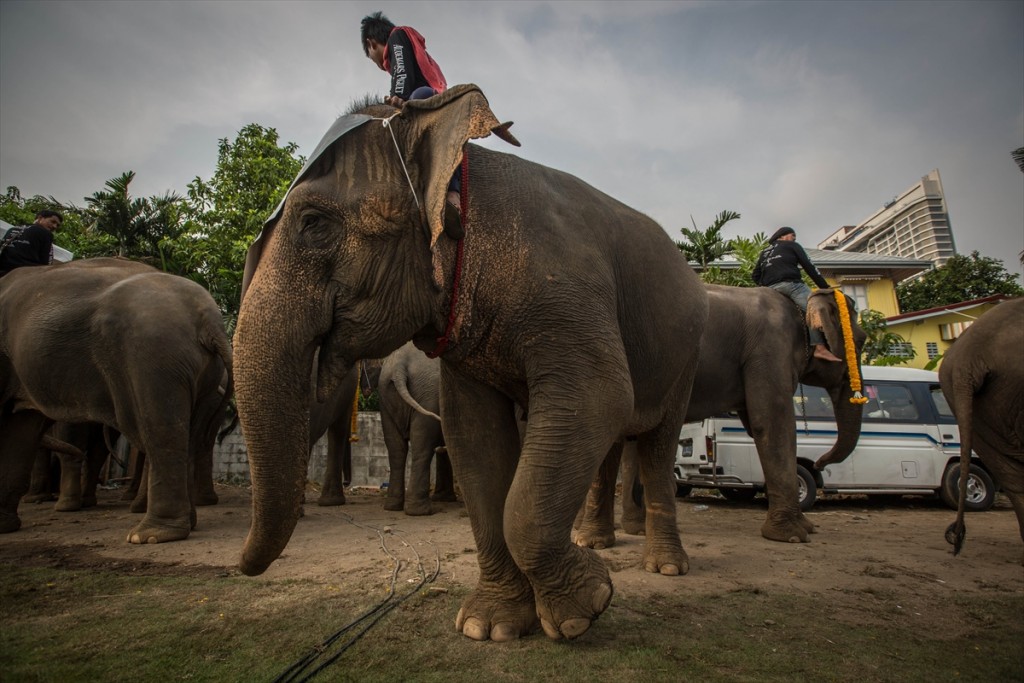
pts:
[941, 404]
[812, 402]
[889, 402]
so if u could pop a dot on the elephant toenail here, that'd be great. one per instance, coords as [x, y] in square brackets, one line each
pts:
[549, 628]
[602, 597]
[574, 628]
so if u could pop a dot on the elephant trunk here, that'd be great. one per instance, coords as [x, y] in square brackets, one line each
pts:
[848, 423]
[273, 364]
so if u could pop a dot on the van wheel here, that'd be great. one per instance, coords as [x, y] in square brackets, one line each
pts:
[738, 495]
[683, 490]
[981, 491]
[807, 490]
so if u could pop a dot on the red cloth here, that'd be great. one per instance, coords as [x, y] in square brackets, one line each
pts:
[428, 67]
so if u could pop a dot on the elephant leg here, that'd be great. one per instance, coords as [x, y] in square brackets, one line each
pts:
[444, 479]
[480, 424]
[397, 445]
[338, 448]
[634, 515]
[595, 522]
[70, 499]
[20, 434]
[141, 499]
[39, 480]
[424, 435]
[137, 461]
[96, 457]
[655, 453]
[775, 440]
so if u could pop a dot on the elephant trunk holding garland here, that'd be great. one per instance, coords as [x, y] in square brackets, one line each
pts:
[753, 355]
[119, 343]
[409, 387]
[567, 302]
[982, 377]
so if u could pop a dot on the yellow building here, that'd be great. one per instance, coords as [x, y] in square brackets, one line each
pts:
[933, 330]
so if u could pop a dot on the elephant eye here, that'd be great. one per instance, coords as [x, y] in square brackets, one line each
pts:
[315, 230]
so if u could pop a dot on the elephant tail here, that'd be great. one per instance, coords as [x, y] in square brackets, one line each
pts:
[401, 381]
[964, 402]
[217, 344]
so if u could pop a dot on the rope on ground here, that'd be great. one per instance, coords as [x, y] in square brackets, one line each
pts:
[294, 673]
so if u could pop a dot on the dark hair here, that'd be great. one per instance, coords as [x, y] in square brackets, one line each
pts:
[46, 213]
[781, 232]
[375, 26]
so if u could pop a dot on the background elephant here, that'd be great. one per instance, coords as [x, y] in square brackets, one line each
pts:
[753, 354]
[982, 377]
[74, 476]
[118, 343]
[409, 387]
[567, 302]
[334, 416]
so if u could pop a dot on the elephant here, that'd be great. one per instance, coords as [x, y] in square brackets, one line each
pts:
[79, 467]
[334, 417]
[982, 378]
[409, 386]
[558, 298]
[119, 343]
[753, 355]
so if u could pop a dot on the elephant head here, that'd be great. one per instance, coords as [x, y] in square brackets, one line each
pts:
[353, 266]
[823, 313]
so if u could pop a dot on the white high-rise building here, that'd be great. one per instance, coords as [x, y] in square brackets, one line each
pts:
[915, 224]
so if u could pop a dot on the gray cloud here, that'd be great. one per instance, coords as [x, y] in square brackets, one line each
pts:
[810, 114]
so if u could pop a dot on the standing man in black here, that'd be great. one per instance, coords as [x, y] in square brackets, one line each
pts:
[779, 266]
[30, 245]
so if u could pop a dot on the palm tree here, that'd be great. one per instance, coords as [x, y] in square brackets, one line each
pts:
[139, 225]
[708, 245]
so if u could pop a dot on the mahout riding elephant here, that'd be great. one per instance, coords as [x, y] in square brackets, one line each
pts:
[558, 298]
[119, 343]
[753, 355]
[409, 388]
[982, 378]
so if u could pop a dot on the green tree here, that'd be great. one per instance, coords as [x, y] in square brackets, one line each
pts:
[707, 245]
[74, 234]
[745, 250]
[226, 213]
[881, 342]
[962, 278]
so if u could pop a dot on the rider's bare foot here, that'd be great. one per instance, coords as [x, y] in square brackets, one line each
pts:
[821, 351]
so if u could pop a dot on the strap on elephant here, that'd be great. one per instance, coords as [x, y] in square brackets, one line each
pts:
[445, 339]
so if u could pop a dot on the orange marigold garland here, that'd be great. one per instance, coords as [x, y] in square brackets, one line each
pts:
[352, 436]
[851, 349]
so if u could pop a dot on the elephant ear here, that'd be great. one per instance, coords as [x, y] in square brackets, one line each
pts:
[823, 314]
[441, 127]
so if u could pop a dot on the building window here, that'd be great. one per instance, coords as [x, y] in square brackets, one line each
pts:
[902, 350]
[859, 293]
[933, 350]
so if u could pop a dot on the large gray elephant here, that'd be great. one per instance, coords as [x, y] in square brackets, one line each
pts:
[559, 298]
[118, 343]
[753, 355]
[409, 387]
[982, 377]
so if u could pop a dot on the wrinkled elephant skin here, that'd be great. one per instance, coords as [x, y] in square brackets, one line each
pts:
[569, 303]
[982, 377]
[126, 346]
[753, 355]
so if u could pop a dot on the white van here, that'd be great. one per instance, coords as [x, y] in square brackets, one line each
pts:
[909, 444]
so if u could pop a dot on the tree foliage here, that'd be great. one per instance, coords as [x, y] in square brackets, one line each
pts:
[881, 342]
[962, 278]
[707, 245]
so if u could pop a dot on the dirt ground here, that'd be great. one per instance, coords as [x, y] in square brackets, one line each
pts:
[862, 544]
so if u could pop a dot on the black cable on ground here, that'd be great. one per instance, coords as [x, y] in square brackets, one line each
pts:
[372, 616]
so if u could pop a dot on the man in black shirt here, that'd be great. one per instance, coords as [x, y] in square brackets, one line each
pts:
[30, 245]
[779, 266]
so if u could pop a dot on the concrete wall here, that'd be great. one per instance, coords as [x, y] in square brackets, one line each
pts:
[369, 456]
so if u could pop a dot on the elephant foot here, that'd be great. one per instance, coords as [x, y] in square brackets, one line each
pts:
[153, 532]
[138, 505]
[394, 504]
[418, 508]
[786, 528]
[68, 505]
[635, 526]
[9, 522]
[37, 498]
[498, 613]
[807, 524]
[569, 613]
[444, 497]
[594, 535]
[666, 557]
[89, 501]
[331, 499]
[207, 498]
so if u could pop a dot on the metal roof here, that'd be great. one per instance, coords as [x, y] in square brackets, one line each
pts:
[851, 263]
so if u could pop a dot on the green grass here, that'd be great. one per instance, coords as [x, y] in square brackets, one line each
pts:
[87, 625]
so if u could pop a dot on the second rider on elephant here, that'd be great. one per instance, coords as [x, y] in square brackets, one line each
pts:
[778, 267]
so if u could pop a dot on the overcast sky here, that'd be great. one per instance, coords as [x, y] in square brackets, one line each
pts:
[809, 114]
